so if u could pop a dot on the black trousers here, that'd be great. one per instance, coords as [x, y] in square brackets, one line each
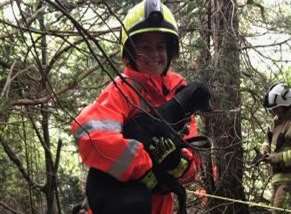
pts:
[106, 195]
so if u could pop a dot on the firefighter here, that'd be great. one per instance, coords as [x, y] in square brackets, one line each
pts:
[120, 178]
[278, 149]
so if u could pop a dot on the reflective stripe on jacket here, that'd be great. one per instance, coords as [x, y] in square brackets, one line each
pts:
[98, 128]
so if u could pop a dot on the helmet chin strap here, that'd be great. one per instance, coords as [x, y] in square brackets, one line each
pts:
[167, 67]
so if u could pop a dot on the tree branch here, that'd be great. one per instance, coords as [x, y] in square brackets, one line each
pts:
[12, 156]
[5, 206]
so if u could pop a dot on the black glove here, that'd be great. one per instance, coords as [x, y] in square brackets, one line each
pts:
[194, 97]
[164, 153]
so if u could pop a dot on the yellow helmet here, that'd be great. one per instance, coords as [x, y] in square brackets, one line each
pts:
[150, 16]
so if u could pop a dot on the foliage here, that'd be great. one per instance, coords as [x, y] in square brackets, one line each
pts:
[71, 189]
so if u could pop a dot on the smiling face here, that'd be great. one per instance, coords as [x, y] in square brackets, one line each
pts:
[151, 52]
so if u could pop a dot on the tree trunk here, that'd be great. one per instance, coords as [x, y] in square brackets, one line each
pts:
[51, 174]
[223, 125]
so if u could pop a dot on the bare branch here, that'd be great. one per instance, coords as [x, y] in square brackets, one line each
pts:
[5, 90]
[267, 45]
[12, 156]
[5, 206]
[4, 3]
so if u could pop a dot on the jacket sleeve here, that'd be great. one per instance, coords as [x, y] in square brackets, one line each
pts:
[98, 132]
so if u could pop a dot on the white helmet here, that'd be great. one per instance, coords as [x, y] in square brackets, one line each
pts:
[278, 95]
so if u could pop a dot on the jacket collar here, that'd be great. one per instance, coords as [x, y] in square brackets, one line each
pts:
[158, 85]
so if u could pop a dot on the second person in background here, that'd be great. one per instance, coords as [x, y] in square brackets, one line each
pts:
[278, 149]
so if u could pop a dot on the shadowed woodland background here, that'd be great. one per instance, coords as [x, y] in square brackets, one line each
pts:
[56, 56]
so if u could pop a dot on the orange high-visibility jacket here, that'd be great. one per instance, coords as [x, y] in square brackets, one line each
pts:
[98, 129]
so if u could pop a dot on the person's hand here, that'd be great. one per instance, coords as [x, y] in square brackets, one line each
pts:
[164, 153]
[265, 148]
[194, 97]
[150, 180]
[274, 158]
